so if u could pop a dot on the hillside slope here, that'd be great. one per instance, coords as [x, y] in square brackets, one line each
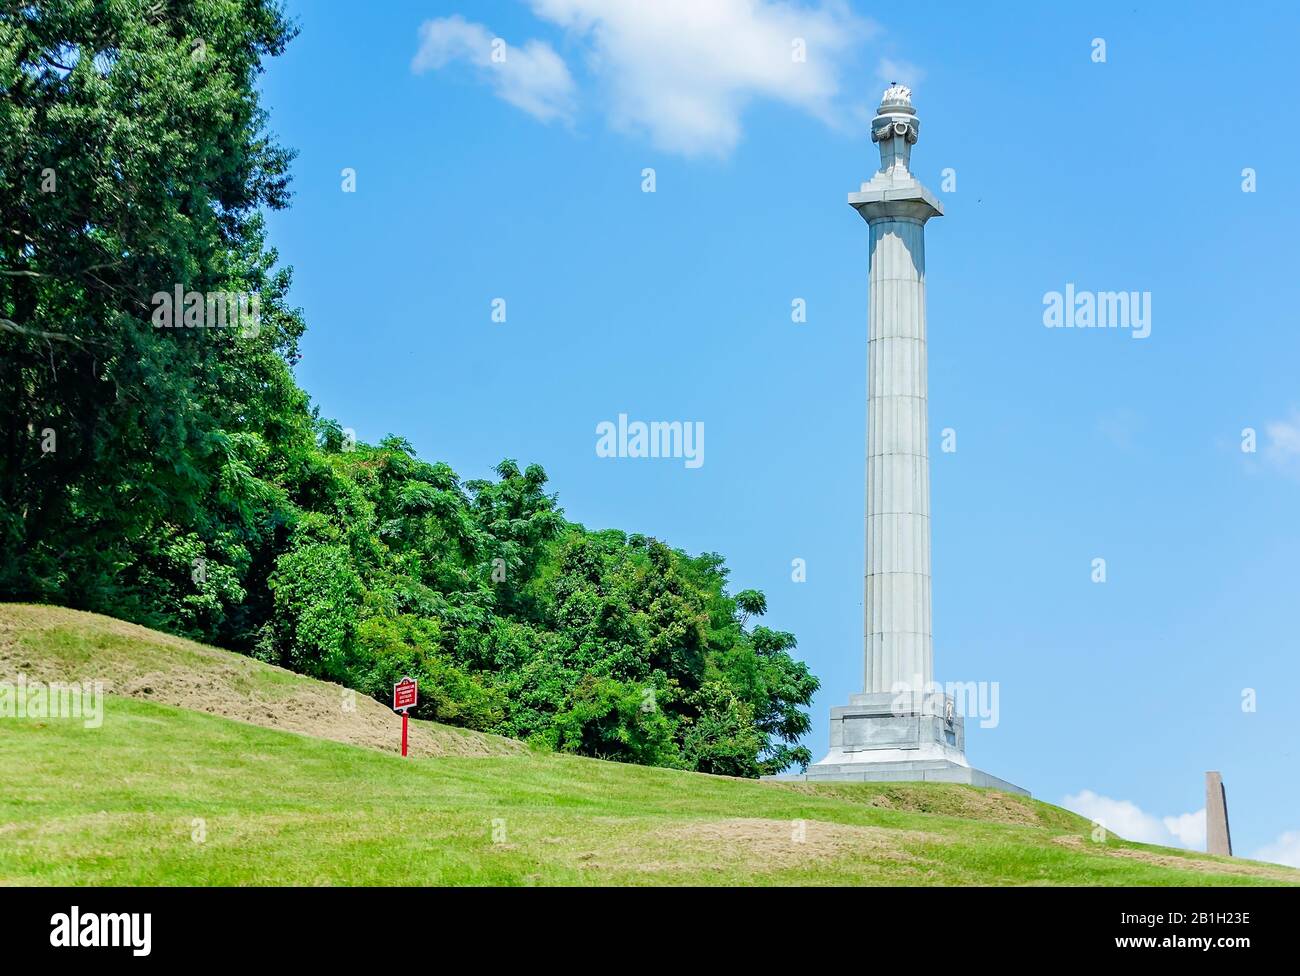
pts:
[55, 644]
[166, 795]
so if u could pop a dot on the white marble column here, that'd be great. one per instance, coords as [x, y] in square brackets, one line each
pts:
[899, 642]
[881, 735]
[898, 631]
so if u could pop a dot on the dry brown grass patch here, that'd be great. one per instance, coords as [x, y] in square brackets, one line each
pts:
[136, 662]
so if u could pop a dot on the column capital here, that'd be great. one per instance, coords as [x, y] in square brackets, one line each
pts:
[884, 198]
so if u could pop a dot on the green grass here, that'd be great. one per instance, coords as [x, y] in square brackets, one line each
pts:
[279, 785]
[119, 805]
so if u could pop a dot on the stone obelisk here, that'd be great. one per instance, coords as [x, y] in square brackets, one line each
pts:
[902, 726]
[1218, 838]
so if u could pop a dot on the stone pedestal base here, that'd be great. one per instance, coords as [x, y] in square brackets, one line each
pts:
[900, 738]
[923, 771]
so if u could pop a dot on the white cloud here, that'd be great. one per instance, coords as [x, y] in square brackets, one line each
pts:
[1284, 850]
[1188, 829]
[680, 72]
[890, 71]
[683, 71]
[1131, 822]
[1282, 440]
[531, 76]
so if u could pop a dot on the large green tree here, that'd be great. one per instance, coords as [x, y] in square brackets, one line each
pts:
[133, 161]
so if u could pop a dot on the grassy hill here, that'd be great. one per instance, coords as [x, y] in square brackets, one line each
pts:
[55, 644]
[200, 794]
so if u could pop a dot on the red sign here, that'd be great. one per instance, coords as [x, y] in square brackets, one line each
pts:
[404, 694]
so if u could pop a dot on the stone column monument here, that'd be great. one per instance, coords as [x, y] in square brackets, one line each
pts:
[1218, 838]
[902, 726]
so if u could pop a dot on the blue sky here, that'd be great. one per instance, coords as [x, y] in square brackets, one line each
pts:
[474, 184]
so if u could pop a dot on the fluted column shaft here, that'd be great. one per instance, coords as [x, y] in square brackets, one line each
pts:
[899, 642]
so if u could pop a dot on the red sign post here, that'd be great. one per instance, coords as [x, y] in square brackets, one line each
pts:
[404, 697]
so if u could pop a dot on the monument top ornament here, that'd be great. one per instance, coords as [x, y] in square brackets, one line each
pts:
[893, 192]
[897, 95]
[895, 129]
